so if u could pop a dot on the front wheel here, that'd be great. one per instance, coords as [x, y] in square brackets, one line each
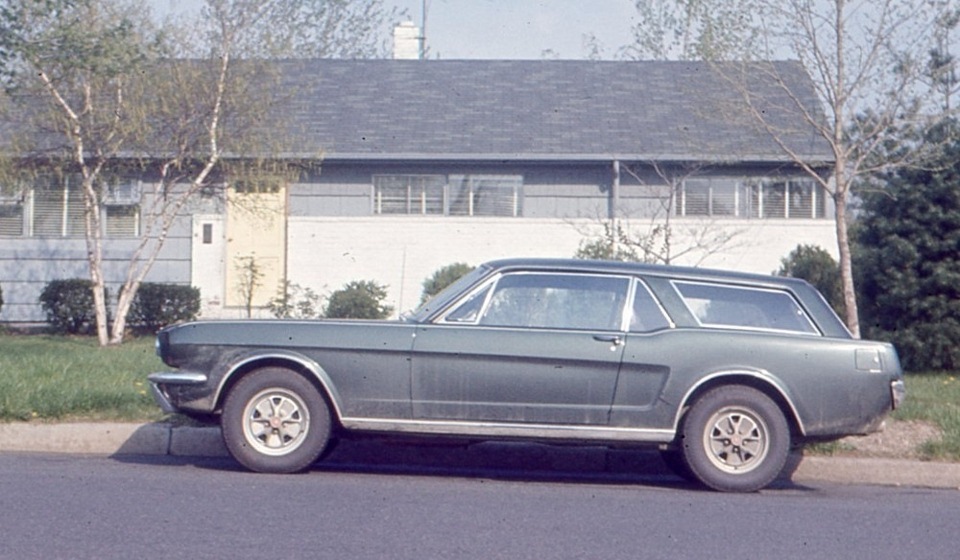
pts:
[275, 421]
[735, 439]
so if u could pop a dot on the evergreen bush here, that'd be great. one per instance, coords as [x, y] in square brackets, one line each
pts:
[815, 265]
[68, 305]
[157, 305]
[908, 260]
[442, 278]
[360, 299]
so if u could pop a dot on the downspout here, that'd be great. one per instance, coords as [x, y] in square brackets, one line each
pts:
[614, 206]
[613, 211]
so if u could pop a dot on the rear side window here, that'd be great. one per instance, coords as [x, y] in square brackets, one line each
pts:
[719, 305]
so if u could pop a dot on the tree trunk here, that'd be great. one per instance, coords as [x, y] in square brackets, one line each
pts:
[852, 317]
[95, 257]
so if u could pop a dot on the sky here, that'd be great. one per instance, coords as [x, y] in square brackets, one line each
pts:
[506, 29]
[524, 29]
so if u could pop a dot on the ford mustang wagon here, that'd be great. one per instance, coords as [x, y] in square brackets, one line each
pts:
[724, 372]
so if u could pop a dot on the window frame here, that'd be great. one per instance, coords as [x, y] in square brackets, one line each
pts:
[638, 286]
[489, 288]
[469, 188]
[62, 216]
[751, 198]
[805, 317]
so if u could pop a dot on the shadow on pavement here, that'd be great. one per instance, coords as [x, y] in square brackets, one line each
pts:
[488, 460]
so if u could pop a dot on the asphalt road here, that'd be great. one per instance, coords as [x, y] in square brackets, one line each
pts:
[79, 507]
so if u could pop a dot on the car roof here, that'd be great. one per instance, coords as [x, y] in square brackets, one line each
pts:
[645, 269]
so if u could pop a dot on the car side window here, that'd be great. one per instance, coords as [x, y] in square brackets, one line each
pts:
[752, 308]
[647, 314]
[469, 310]
[557, 301]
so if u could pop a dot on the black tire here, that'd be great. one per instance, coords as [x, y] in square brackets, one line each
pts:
[275, 421]
[735, 439]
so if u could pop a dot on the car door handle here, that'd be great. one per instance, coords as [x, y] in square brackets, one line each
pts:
[614, 339]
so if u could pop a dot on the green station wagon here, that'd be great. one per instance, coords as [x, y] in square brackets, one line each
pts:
[724, 372]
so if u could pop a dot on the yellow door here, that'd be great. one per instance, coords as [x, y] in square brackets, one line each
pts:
[256, 247]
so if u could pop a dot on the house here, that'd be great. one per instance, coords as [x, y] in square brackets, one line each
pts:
[427, 163]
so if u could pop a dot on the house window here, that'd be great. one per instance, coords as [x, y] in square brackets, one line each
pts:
[775, 199]
[11, 219]
[408, 194]
[122, 216]
[11, 214]
[485, 195]
[456, 195]
[257, 185]
[122, 221]
[710, 197]
[58, 209]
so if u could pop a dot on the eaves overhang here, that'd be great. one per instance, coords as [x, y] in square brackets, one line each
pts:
[584, 158]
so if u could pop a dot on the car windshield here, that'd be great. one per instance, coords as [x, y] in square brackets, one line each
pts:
[446, 295]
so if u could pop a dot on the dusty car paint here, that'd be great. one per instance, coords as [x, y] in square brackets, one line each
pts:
[447, 372]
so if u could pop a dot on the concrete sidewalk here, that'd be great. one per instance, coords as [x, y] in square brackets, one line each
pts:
[182, 441]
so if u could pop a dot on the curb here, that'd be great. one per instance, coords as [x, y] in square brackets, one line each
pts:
[187, 441]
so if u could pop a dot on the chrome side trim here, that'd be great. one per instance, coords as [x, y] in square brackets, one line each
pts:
[177, 378]
[499, 429]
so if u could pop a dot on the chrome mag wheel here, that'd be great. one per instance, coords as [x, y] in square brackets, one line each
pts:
[737, 440]
[276, 422]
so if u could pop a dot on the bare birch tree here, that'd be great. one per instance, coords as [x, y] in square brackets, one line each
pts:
[693, 30]
[73, 65]
[107, 89]
[866, 59]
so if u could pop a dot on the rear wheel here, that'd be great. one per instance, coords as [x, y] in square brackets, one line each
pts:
[274, 420]
[735, 439]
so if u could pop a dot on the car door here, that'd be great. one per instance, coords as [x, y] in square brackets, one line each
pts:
[653, 348]
[527, 347]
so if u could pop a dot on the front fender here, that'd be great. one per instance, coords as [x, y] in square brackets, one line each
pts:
[251, 360]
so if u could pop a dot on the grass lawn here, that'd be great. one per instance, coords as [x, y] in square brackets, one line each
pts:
[52, 378]
[72, 378]
[935, 398]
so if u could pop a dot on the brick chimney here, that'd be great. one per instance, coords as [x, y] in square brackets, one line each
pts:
[407, 41]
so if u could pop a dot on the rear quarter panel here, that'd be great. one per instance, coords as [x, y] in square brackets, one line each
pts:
[817, 376]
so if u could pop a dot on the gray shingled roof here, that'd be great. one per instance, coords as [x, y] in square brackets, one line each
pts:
[546, 110]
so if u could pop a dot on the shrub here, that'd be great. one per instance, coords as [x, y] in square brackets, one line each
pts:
[442, 278]
[360, 299]
[815, 265]
[614, 244]
[158, 305]
[68, 305]
[295, 302]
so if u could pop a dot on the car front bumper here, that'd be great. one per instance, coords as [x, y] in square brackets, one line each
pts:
[160, 383]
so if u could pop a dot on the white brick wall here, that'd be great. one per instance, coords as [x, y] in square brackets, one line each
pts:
[326, 253]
